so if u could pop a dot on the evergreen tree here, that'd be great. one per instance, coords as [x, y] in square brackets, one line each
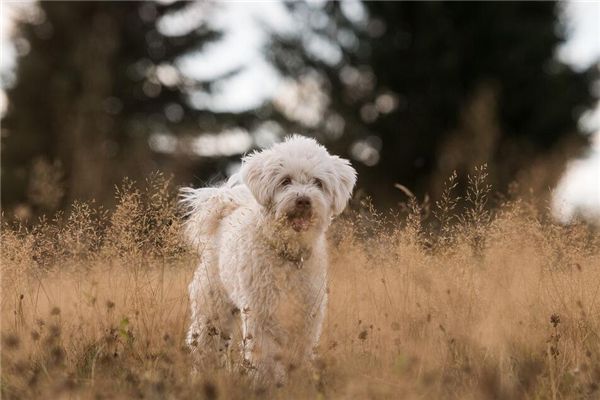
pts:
[98, 79]
[439, 86]
[413, 91]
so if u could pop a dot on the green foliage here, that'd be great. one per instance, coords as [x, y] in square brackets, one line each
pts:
[433, 87]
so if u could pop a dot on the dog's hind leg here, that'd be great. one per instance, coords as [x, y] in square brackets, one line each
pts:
[213, 321]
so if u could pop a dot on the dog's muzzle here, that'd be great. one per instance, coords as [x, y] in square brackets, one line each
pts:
[300, 217]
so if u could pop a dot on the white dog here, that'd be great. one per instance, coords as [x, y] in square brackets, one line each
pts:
[263, 265]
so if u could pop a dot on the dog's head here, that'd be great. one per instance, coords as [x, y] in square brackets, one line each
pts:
[299, 182]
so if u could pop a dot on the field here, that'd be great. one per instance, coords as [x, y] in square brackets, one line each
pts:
[428, 302]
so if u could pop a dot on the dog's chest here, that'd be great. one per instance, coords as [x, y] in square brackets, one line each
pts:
[296, 297]
[289, 277]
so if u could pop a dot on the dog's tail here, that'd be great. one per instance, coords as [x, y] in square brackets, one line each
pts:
[205, 208]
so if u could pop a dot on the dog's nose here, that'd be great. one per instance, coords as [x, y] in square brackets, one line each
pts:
[303, 202]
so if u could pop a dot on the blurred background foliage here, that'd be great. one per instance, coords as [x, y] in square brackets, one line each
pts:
[410, 91]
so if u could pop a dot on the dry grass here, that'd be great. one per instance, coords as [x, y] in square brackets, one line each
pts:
[479, 305]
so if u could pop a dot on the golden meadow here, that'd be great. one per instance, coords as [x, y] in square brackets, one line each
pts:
[446, 300]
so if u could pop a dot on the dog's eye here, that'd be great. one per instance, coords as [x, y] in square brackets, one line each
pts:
[318, 183]
[286, 181]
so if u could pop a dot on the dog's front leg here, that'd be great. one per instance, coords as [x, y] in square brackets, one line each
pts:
[315, 327]
[313, 295]
[262, 349]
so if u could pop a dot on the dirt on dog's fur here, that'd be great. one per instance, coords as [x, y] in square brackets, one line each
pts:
[473, 305]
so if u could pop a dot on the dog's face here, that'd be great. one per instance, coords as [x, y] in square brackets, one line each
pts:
[299, 183]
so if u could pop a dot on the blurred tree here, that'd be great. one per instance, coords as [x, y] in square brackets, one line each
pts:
[411, 90]
[97, 80]
[431, 87]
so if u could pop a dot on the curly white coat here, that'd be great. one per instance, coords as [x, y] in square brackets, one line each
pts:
[263, 268]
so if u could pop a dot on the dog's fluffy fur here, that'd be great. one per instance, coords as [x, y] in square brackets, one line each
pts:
[261, 237]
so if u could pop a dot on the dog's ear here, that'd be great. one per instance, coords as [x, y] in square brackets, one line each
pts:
[344, 178]
[258, 173]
